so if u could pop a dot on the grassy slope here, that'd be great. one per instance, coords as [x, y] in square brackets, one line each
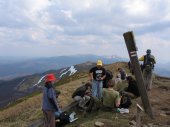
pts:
[29, 109]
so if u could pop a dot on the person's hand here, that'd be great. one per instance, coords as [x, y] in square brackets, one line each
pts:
[60, 106]
[101, 78]
[91, 79]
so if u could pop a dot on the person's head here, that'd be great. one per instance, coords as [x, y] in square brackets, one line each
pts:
[111, 83]
[99, 64]
[119, 69]
[50, 78]
[88, 85]
[130, 78]
[148, 51]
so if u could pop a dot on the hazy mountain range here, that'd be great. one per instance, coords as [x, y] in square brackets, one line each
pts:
[16, 67]
[12, 67]
[162, 69]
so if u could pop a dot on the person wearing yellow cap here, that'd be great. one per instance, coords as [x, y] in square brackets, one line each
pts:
[49, 101]
[97, 75]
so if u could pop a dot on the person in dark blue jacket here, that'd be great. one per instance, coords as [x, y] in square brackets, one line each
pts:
[49, 102]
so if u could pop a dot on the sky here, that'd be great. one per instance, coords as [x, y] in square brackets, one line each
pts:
[45, 28]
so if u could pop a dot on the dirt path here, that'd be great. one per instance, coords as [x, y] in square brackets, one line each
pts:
[160, 101]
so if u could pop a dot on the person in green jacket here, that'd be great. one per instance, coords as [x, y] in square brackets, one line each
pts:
[111, 97]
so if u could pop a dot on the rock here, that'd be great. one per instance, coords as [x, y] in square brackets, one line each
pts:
[132, 122]
[144, 125]
[80, 126]
[150, 124]
[167, 113]
[155, 126]
[99, 124]
[163, 114]
[165, 109]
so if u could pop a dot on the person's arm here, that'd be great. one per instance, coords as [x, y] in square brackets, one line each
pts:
[118, 98]
[91, 74]
[154, 60]
[104, 74]
[52, 97]
[141, 58]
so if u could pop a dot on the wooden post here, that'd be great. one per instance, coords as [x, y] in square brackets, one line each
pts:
[138, 118]
[132, 50]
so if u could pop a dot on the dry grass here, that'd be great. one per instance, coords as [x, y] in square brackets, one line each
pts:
[110, 119]
[29, 110]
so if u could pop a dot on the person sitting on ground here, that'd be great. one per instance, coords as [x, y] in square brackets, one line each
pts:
[118, 79]
[82, 95]
[122, 73]
[109, 76]
[111, 98]
[132, 89]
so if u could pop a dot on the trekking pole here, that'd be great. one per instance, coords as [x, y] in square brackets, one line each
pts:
[138, 118]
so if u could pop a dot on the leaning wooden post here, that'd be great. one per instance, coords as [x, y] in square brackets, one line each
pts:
[132, 50]
[138, 118]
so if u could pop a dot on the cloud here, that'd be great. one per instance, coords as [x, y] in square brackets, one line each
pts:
[49, 27]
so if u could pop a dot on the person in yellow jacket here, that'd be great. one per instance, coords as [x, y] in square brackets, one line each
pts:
[148, 66]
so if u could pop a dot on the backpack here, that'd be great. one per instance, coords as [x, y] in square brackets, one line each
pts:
[148, 63]
[125, 101]
[109, 75]
[64, 119]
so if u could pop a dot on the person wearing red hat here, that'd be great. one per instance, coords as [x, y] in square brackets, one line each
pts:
[49, 103]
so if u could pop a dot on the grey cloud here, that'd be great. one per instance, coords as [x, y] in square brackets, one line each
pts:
[12, 16]
[102, 22]
[154, 27]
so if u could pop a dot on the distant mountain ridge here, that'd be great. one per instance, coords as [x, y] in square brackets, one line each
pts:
[16, 88]
[40, 65]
